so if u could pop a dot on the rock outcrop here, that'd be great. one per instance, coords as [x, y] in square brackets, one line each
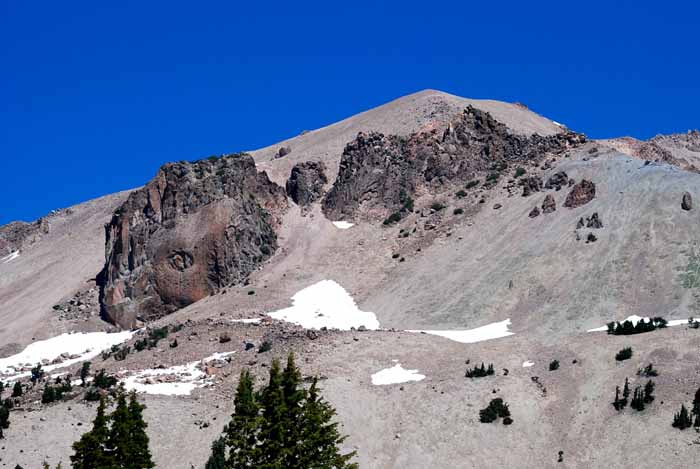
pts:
[580, 194]
[306, 182]
[382, 173]
[594, 221]
[531, 185]
[534, 213]
[193, 229]
[549, 205]
[687, 201]
[16, 235]
[557, 181]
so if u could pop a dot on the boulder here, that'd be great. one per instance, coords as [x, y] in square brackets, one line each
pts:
[306, 182]
[557, 181]
[549, 205]
[580, 194]
[535, 212]
[687, 201]
[531, 185]
[594, 221]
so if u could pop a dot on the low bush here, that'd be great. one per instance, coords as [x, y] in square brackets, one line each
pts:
[495, 410]
[458, 211]
[624, 354]
[554, 365]
[480, 372]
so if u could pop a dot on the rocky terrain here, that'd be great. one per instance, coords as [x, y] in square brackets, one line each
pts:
[467, 231]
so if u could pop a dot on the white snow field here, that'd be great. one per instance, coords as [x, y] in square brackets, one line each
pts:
[343, 225]
[635, 319]
[73, 348]
[12, 256]
[325, 304]
[528, 364]
[494, 330]
[395, 375]
[178, 380]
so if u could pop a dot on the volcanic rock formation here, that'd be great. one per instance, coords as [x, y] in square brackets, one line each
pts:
[580, 194]
[305, 184]
[193, 229]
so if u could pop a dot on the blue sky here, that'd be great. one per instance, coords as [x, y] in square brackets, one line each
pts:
[97, 95]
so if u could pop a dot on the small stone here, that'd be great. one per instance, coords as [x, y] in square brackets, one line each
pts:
[497, 206]
[687, 202]
[549, 205]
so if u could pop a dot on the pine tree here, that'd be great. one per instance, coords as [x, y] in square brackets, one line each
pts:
[84, 373]
[320, 437]
[119, 441]
[273, 429]
[682, 419]
[638, 399]
[139, 453]
[242, 432]
[293, 402]
[217, 459]
[90, 449]
[4, 419]
[649, 392]
[17, 389]
[625, 394]
[696, 403]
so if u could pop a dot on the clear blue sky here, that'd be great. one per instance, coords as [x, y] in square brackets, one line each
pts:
[95, 97]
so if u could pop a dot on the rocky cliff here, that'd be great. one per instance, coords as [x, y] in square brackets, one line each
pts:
[382, 173]
[193, 229]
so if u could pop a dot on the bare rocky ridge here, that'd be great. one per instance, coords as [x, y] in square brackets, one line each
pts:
[380, 173]
[15, 235]
[305, 184]
[681, 150]
[193, 229]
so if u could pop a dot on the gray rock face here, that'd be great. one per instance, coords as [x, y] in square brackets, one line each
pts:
[549, 205]
[687, 201]
[382, 173]
[531, 185]
[534, 213]
[306, 182]
[557, 181]
[594, 221]
[193, 229]
[18, 234]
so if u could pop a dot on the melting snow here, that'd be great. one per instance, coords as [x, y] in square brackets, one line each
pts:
[10, 257]
[325, 304]
[247, 321]
[74, 347]
[178, 380]
[494, 330]
[343, 225]
[394, 375]
[634, 319]
[528, 364]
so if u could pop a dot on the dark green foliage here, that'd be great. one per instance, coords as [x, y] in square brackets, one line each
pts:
[621, 403]
[92, 395]
[4, 419]
[480, 372]
[9, 403]
[283, 426]
[696, 403]
[554, 365]
[519, 172]
[37, 373]
[648, 371]
[266, 346]
[637, 402]
[624, 354]
[461, 194]
[115, 441]
[84, 373]
[649, 392]
[472, 183]
[458, 211]
[496, 409]
[173, 344]
[217, 459]
[617, 403]
[629, 328]
[17, 389]
[121, 353]
[406, 208]
[2, 388]
[393, 218]
[103, 380]
[151, 341]
[499, 166]
[682, 419]
[437, 206]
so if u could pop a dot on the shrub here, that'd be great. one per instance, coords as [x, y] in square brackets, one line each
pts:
[104, 381]
[496, 409]
[682, 419]
[458, 211]
[437, 206]
[173, 344]
[648, 371]
[519, 172]
[224, 338]
[37, 373]
[92, 395]
[266, 346]
[472, 183]
[554, 365]
[17, 389]
[461, 194]
[624, 354]
[480, 372]
[393, 218]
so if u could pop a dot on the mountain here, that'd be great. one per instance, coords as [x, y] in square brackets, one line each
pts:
[501, 235]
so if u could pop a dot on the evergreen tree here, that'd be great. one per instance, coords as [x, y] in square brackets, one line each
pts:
[682, 419]
[242, 433]
[17, 389]
[2, 388]
[649, 392]
[139, 453]
[217, 459]
[617, 403]
[320, 437]
[84, 373]
[696, 403]
[625, 394]
[119, 440]
[4, 419]
[273, 427]
[638, 399]
[90, 449]
[293, 398]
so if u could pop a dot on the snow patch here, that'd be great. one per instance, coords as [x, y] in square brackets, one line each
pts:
[247, 320]
[494, 330]
[528, 364]
[12, 256]
[634, 319]
[343, 225]
[394, 375]
[178, 380]
[325, 304]
[79, 346]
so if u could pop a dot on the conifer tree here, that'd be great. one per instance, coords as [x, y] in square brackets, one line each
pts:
[320, 437]
[119, 434]
[696, 403]
[84, 373]
[242, 433]
[617, 403]
[90, 449]
[625, 394]
[293, 398]
[649, 392]
[17, 389]
[638, 399]
[4, 419]
[273, 428]
[139, 453]
[217, 459]
[682, 419]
